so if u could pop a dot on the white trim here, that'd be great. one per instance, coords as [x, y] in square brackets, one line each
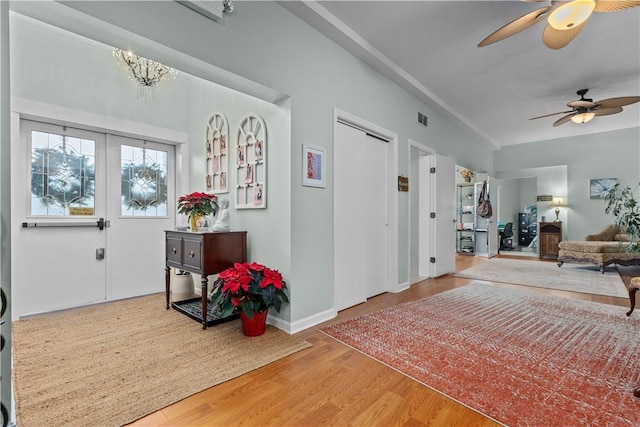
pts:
[302, 324]
[64, 116]
[392, 192]
[402, 287]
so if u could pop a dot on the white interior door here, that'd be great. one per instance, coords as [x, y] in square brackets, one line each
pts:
[140, 199]
[71, 180]
[425, 222]
[437, 244]
[360, 216]
[444, 187]
[373, 189]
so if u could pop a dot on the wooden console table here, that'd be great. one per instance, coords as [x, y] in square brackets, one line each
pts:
[549, 237]
[204, 254]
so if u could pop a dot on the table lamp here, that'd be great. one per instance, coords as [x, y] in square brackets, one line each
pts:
[557, 203]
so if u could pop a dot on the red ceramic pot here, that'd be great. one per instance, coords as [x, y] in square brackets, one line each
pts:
[256, 326]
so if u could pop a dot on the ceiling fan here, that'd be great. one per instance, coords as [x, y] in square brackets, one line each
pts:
[584, 109]
[565, 20]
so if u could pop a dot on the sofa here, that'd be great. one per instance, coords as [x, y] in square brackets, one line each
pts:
[604, 248]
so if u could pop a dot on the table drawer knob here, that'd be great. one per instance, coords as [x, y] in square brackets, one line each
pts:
[192, 254]
[174, 250]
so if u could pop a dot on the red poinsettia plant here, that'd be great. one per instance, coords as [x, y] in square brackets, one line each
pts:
[198, 204]
[248, 288]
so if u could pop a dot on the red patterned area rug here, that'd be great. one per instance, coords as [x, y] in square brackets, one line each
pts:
[518, 357]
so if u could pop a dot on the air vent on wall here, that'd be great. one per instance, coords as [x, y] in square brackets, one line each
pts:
[422, 119]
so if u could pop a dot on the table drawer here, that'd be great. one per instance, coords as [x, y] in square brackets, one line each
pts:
[192, 253]
[174, 250]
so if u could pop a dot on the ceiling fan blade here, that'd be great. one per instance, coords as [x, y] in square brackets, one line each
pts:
[556, 39]
[563, 120]
[552, 114]
[608, 111]
[618, 102]
[615, 5]
[516, 26]
[581, 103]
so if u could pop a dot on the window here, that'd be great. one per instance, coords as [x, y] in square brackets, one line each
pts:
[62, 175]
[144, 181]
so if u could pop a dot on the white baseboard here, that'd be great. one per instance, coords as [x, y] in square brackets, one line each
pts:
[301, 325]
[402, 287]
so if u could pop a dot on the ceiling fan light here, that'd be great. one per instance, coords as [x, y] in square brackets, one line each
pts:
[571, 14]
[582, 117]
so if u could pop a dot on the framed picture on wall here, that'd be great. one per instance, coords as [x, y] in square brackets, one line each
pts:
[599, 187]
[313, 166]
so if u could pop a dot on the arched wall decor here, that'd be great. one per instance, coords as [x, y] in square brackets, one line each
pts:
[217, 155]
[251, 163]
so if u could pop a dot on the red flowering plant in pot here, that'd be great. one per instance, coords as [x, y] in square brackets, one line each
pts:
[197, 205]
[249, 289]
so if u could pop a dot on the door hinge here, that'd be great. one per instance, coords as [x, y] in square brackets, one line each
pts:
[432, 170]
[432, 260]
[432, 215]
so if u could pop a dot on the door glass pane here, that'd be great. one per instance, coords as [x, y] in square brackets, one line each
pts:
[62, 175]
[144, 181]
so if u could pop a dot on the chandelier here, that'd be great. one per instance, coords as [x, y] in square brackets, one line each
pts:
[147, 73]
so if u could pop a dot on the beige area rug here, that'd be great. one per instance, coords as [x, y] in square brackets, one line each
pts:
[111, 364]
[570, 277]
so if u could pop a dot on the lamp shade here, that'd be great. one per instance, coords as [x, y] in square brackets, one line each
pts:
[557, 202]
[582, 117]
[571, 15]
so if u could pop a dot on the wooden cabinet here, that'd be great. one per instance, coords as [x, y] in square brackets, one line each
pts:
[204, 254]
[549, 236]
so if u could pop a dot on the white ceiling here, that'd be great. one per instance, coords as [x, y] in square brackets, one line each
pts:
[430, 48]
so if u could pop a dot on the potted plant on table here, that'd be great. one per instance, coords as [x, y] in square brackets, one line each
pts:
[249, 289]
[197, 205]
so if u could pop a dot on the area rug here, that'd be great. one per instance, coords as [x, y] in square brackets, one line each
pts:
[111, 364]
[520, 358]
[570, 277]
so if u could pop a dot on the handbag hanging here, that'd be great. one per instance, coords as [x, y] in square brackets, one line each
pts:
[483, 208]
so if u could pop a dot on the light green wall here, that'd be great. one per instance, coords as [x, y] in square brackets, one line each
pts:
[266, 44]
[603, 155]
[183, 104]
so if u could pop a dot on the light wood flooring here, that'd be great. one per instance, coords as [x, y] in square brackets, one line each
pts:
[330, 384]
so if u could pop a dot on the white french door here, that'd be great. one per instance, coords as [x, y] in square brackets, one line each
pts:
[89, 211]
[135, 238]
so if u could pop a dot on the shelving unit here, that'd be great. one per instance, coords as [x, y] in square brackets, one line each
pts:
[465, 217]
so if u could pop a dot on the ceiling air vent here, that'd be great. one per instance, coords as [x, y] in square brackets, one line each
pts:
[422, 119]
